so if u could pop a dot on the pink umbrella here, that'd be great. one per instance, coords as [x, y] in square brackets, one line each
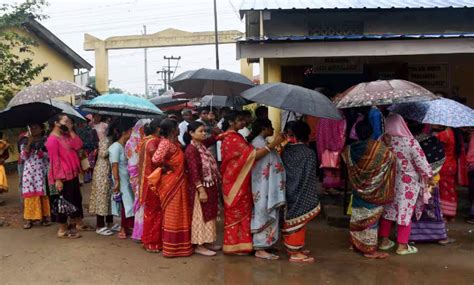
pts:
[383, 92]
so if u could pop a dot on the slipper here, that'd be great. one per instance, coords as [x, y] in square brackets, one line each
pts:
[446, 241]
[205, 252]
[28, 225]
[306, 259]
[46, 223]
[122, 235]
[84, 228]
[115, 228]
[409, 250]
[380, 255]
[270, 256]
[213, 247]
[388, 246]
[69, 235]
[104, 232]
[152, 250]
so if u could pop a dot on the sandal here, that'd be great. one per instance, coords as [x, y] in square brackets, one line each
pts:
[306, 259]
[269, 256]
[84, 228]
[122, 235]
[104, 231]
[46, 223]
[28, 225]
[410, 250]
[446, 241]
[388, 246]
[115, 228]
[69, 235]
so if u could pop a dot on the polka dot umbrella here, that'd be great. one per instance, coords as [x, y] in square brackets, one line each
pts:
[383, 92]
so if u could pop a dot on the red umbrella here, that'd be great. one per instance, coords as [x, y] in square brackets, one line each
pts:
[383, 92]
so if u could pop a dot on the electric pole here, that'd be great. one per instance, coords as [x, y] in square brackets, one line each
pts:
[146, 65]
[216, 34]
[168, 71]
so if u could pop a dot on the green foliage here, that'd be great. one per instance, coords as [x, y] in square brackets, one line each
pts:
[17, 68]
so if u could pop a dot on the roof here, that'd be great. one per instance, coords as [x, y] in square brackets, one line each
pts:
[356, 37]
[46, 35]
[259, 5]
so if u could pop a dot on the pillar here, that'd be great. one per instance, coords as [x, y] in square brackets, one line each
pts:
[270, 72]
[101, 68]
[246, 68]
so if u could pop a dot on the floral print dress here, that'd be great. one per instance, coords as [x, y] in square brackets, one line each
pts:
[413, 173]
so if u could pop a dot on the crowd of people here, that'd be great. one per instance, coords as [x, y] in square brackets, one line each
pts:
[169, 179]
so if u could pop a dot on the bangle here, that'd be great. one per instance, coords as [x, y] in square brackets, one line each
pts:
[199, 186]
[268, 149]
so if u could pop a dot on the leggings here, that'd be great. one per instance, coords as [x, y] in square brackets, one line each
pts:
[403, 232]
[101, 220]
[72, 193]
[126, 223]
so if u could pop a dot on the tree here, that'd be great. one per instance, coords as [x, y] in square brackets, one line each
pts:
[91, 83]
[17, 68]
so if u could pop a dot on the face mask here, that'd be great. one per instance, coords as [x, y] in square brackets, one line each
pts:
[291, 139]
[64, 128]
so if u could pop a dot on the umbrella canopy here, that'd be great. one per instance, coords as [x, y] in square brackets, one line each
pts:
[22, 115]
[293, 98]
[444, 112]
[167, 101]
[46, 91]
[223, 101]
[383, 92]
[122, 105]
[202, 82]
[67, 109]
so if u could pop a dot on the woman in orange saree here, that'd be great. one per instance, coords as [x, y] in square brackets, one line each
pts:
[172, 190]
[150, 200]
[238, 157]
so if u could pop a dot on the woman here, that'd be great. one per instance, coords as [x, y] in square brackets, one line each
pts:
[411, 182]
[132, 153]
[470, 165]
[4, 155]
[101, 194]
[172, 189]
[63, 146]
[371, 169]
[302, 201]
[268, 191]
[447, 183]
[123, 195]
[34, 181]
[430, 226]
[149, 200]
[238, 158]
[90, 142]
[204, 179]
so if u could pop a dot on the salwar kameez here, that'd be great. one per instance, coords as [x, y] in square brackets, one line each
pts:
[447, 182]
[238, 158]
[3, 174]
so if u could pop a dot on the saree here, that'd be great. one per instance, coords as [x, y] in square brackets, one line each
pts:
[172, 191]
[447, 183]
[371, 172]
[238, 158]
[132, 153]
[301, 194]
[268, 191]
[430, 226]
[147, 199]
[3, 174]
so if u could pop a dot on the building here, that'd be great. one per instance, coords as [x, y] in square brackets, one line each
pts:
[336, 44]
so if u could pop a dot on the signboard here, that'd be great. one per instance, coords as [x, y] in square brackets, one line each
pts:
[338, 65]
[431, 76]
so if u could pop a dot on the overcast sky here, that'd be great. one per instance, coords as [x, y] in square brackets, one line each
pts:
[70, 19]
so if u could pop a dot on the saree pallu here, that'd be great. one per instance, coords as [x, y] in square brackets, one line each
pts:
[238, 158]
[172, 190]
[371, 171]
[303, 205]
[3, 180]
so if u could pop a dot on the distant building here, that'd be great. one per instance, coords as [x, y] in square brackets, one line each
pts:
[318, 44]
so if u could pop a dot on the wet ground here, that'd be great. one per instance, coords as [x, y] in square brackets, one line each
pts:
[37, 256]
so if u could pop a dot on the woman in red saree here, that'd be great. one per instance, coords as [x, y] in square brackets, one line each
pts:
[152, 216]
[172, 190]
[238, 157]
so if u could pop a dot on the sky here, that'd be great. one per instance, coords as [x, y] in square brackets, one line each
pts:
[71, 19]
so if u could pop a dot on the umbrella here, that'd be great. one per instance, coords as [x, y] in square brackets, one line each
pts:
[383, 92]
[67, 109]
[22, 115]
[444, 112]
[223, 101]
[46, 91]
[167, 101]
[293, 98]
[121, 105]
[201, 82]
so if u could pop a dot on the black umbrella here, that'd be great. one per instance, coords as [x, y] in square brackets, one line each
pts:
[22, 115]
[223, 101]
[202, 82]
[167, 101]
[293, 98]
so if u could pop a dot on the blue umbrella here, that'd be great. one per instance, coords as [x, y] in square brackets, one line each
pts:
[121, 105]
[443, 112]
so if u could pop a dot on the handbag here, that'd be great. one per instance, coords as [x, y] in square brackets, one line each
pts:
[85, 164]
[63, 207]
[330, 159]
